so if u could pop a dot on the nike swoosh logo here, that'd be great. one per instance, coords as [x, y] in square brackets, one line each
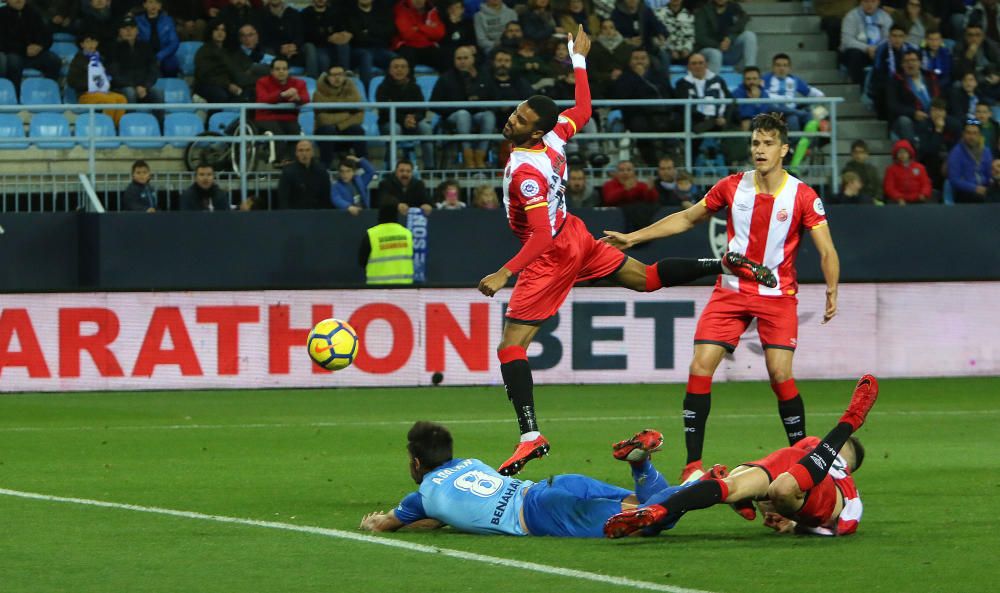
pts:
[322, 349]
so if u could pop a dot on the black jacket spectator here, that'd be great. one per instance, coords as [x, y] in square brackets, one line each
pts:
[458, 86]
[237, 16]
[415, 194]
[391, 91]
[651, 85]
[21, 28]
[456, 34]
[215, 68]
[903, 101]
[373, 29]
[138, 198]
[133, 65]
[281, 30]
[988, 53]
[318, 26]
[304, 188]
[643, 23]
[197, 198]
[103, 26]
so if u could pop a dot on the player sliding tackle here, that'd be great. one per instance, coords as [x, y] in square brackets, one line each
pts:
[806, 487]
[557, 249]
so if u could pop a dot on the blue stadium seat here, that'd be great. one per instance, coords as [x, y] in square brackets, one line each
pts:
[185, 55]
[66, 52]
[8, 94]
[66, 37]
[726, 69]
[50, 125]
[69, 96]
[426, 84]
[678, 68]
[733, 79]
[310, 85]
[373, 85]
[307, 121]
[421, 69]
[218, 121]
[370, 123]
[296, 71]
[39, 91]
[140, 124]
[11, 126]
[31, 73]
[175, 90]
[103, 127]
[182, 124]
[361, 89]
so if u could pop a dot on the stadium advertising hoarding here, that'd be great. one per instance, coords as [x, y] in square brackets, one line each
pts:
[186, 340]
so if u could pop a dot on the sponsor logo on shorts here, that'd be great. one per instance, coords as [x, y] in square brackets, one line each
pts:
[529, 188]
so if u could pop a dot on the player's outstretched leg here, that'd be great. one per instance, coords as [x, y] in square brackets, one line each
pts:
[815, 465]
[740, 265]
[705, 493]
[520, 390]
[637, 452]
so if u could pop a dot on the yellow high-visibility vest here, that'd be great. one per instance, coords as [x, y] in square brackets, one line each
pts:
[391, 259]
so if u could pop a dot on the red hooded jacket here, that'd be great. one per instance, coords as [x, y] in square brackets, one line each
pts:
[416, 28]
[906, 182]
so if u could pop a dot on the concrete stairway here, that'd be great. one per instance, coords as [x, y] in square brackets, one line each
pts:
[782, 27]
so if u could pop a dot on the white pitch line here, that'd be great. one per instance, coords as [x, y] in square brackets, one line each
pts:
[127, 427]
[368, 539]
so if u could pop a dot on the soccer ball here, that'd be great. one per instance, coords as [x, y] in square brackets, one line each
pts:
[332, 344]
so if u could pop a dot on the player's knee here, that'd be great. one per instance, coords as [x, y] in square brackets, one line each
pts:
[779, 375]
[784, 492]
[701, 367]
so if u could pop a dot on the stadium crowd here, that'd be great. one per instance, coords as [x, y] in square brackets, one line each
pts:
[929, 67]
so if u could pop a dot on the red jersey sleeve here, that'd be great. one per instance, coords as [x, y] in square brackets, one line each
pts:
[813, 213]
[529, 193]
[574, 118]
[721, 194]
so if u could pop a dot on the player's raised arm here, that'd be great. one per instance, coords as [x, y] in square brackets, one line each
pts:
[579, 47]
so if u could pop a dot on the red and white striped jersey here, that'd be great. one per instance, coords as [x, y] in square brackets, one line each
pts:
[765, 228]
[850, 515]
[536, 177]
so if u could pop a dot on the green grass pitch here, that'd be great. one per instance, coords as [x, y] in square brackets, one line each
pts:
[323, 458]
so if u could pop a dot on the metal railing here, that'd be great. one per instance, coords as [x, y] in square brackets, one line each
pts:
[56, 186]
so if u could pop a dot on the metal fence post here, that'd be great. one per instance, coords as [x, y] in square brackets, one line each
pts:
[242, 172]
[835, 174]
[688, 162]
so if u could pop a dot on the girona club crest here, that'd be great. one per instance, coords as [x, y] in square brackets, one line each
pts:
[717, 237]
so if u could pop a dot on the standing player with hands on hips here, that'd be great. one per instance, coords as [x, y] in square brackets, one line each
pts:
[557, 249]
[767, 210]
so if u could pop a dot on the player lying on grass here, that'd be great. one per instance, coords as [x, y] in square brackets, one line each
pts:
[473, 497]
[805, 488]
[557, 249]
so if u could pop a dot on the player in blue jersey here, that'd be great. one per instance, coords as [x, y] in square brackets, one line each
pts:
[471, 496]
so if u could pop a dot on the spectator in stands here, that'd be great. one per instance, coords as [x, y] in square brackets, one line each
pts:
[334, 87]
[501, 85]
[158, 30]
[305, 183]
[511, 39]
[936, 137]
[324, 35]
[484, 197]
[850, 191]
[936, 58]
[870, 178]
[350, 190]
[752, 88]
[24, 42]
[218, 77]
[281, 34]
[624, 188]
[88, 77]
[139, 196]
[239, 13]
[575, 13]
[641, 29]
[96, 18]
[686, 188]
[969, 165]
[989, 84]
[888, 64]
[985, 14]
[372, 27]
[906, 180]
[667, 184]
[204, 194]
[189, 18]
[679, 23]
[640, 81]
[278, 87]
[61, 15]
[915, 22]
[418, 30]
[909, 97]
[251, 59]
[458, 31]
[133, 67]
[993, 190]
[988, 127]
[780, 83]
[530, 64]
[974, 53]
[397, 87]
[450, 196]
[402, 187]
[861, 32]
[579, 192]
[489, 22]
[609, 57]
[462, 83]
[722, 37]
[963, 98]
[702, 83]
[538, 22]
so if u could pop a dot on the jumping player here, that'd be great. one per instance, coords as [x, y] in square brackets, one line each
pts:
[472, 497]
[768, 210]
[558, 250]
[807, 487]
